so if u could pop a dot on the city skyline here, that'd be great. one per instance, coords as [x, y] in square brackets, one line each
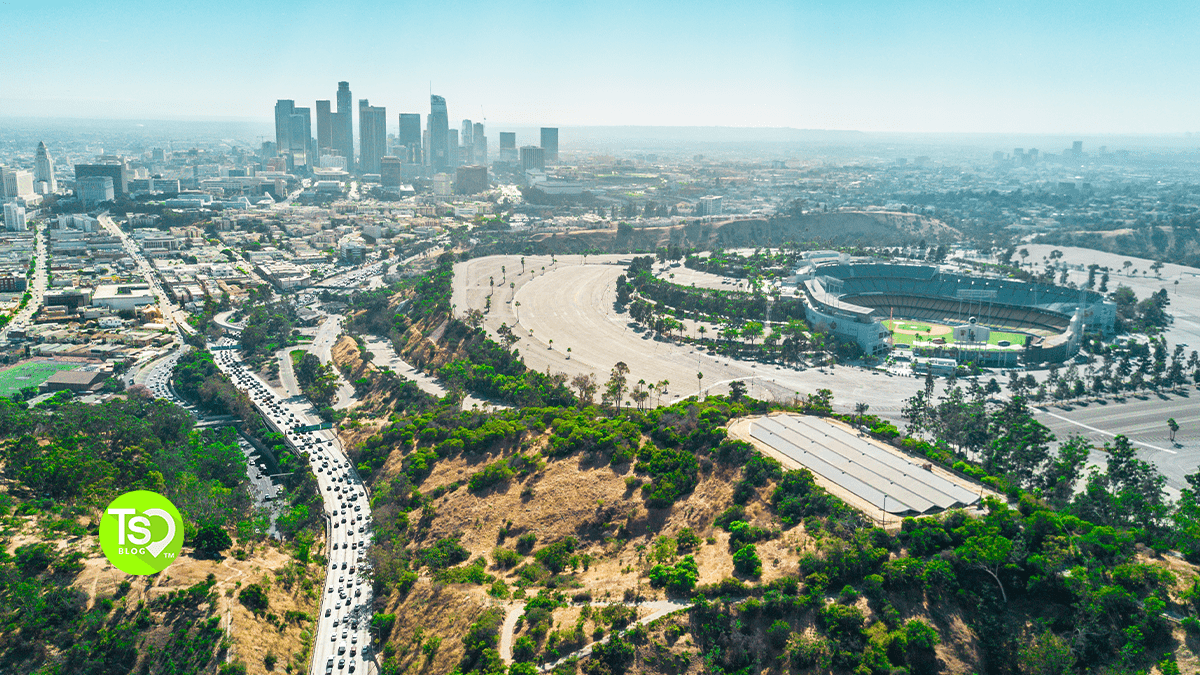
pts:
[1099, 68]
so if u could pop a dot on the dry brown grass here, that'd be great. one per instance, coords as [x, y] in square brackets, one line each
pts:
[251, 637]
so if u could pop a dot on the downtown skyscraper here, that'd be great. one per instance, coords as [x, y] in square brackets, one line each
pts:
[343, 125]
[324, 128]
[410, 137]
[293, 132]
[439, 134]
[372, 131]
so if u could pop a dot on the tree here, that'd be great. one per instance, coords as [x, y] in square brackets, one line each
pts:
[1047, 654]
[860, 409]
[737, 390]
[586, 386]
[699, 384]
[614, 389]
[1058, 481]
[1020, 444]
[747, 562]
[1173, 426]
[211, 539]
[989, 553]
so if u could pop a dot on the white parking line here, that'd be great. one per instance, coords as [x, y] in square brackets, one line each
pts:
[1106, 433]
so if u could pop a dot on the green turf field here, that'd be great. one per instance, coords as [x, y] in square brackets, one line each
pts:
[928, 331]
[29, 374]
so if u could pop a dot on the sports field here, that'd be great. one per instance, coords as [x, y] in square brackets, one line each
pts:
[908, 332]
[29, 374]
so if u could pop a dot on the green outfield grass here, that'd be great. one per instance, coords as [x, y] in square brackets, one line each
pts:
[928, 331]
[29, 374]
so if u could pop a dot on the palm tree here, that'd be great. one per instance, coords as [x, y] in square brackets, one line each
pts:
[860, 409]
[699, 384]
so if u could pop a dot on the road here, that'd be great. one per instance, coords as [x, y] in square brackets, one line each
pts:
[40, 280]
[172, 315]
[385, 356]
[659, 609]
[322, 345]
[344, 612]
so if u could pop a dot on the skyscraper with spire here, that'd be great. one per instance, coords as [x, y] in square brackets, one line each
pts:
[439, 134]
[43, 171]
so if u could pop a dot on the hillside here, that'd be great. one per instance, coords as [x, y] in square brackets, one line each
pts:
[842, 228]
[230, 599]
[521, 536]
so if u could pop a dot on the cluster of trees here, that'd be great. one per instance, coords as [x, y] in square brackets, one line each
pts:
[197, 378]
[1146, 316]
[1177, 242]
[1132, 366]
[704, 302]
[318, 381]
[70, 461]
[269, 323]
[755, 324]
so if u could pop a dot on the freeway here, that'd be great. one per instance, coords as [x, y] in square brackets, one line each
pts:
[342, 640]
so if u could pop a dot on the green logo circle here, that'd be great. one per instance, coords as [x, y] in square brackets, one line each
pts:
[141, 532]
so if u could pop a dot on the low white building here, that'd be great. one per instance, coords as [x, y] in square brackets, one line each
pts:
[123, 296]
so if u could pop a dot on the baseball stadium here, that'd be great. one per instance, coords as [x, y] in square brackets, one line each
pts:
[944, 313]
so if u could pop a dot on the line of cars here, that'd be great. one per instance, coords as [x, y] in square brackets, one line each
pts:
[346, 604]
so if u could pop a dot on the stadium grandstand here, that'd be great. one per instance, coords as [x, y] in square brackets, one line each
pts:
[853, 298]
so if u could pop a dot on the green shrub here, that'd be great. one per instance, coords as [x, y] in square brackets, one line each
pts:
[492, 474]
[556, 556]
[254, 597]
[746, 561]
[505, 558]
[680, 578]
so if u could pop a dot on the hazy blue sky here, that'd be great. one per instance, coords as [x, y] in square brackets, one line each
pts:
[1099, 66]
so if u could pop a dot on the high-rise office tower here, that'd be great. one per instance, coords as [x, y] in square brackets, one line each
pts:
[372, 133]
[533, 158]
[410, 137]
[283, 124]
[324, 128]
[550, 143]
[114, 169]
[343, 125]
[453, 148]
[479, 142]
[43, 169]
[508, 147]
[301, 137]
[467, 154]
[439, 134]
